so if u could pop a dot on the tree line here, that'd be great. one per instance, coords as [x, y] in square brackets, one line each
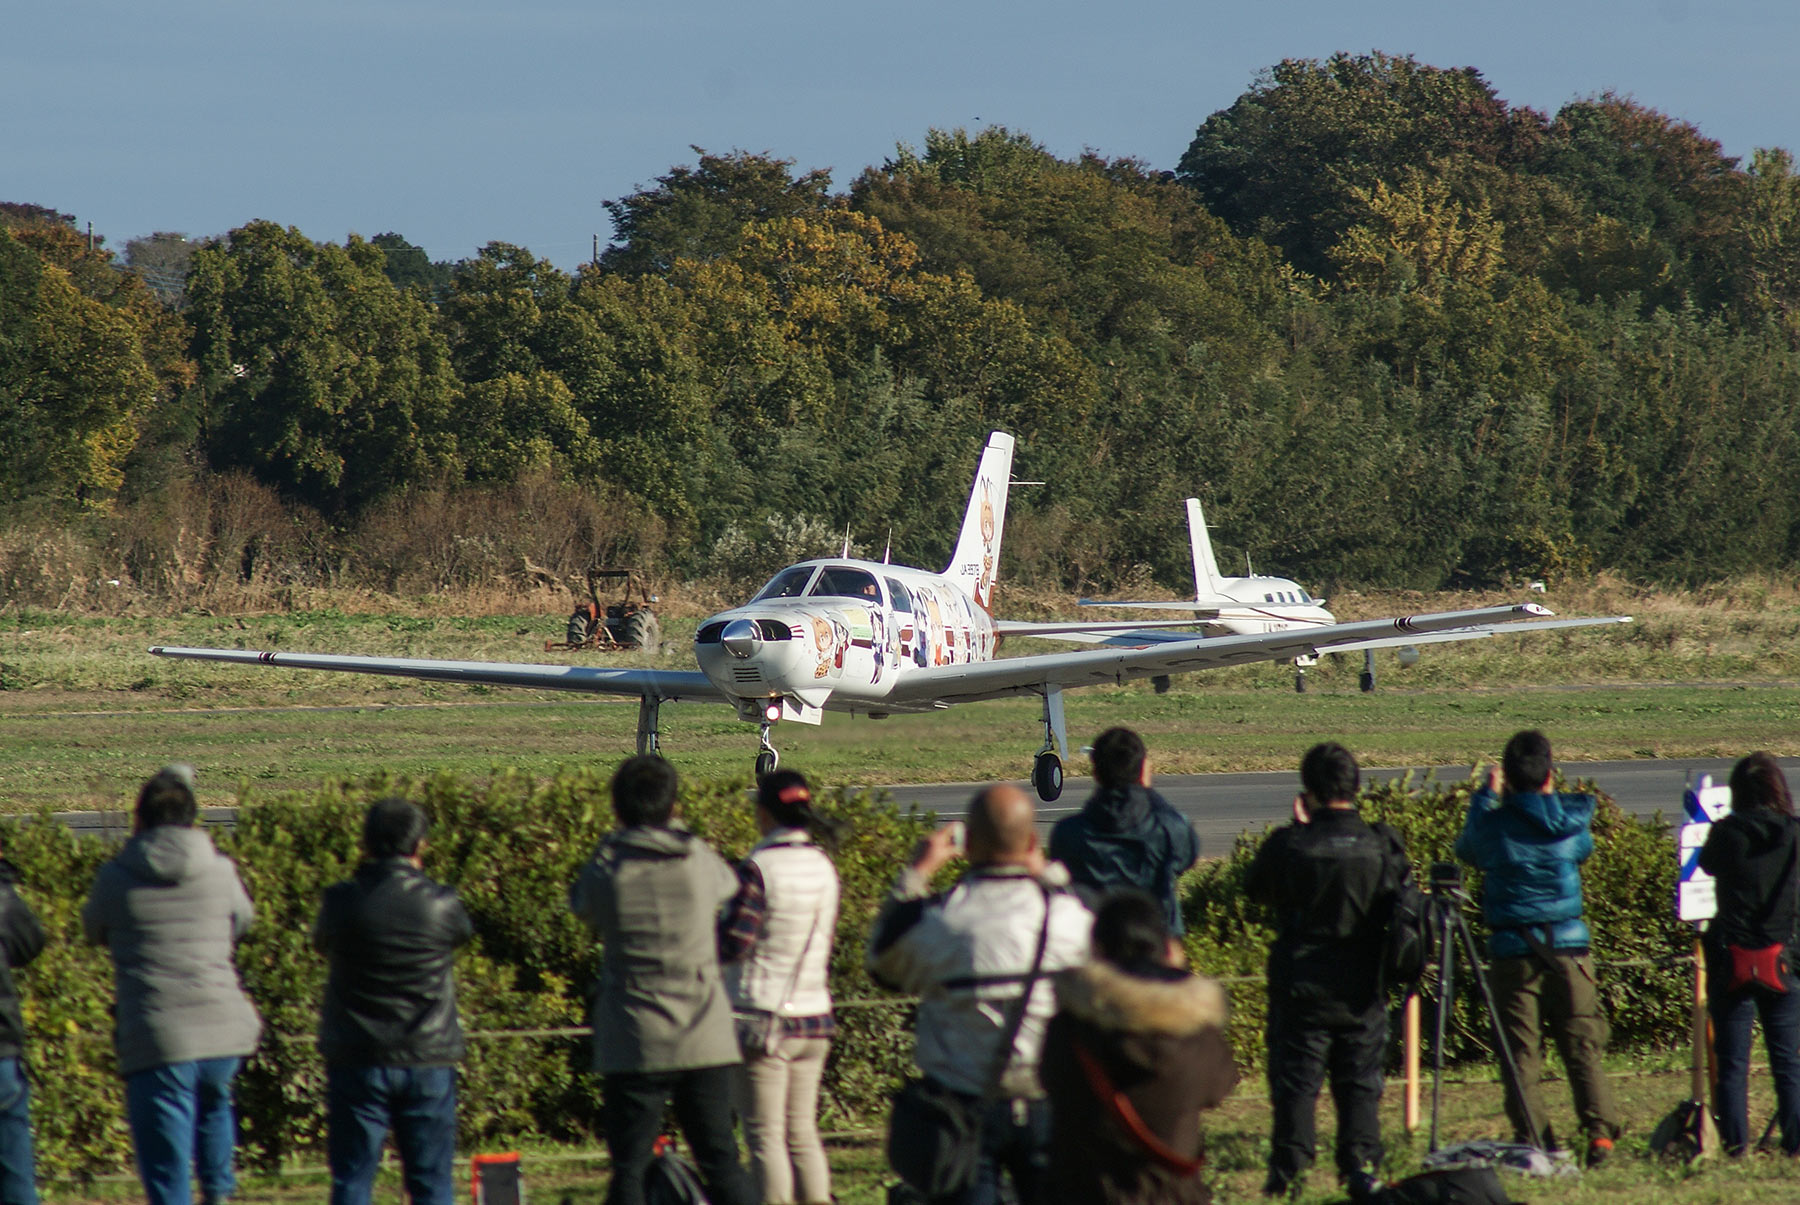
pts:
[1390, 328]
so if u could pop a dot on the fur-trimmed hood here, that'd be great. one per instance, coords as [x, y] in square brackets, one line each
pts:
[1110, 998]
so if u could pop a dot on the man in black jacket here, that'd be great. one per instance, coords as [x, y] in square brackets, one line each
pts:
[21, 939]
[1330, 879]
[388, 1029]
[1126, 835]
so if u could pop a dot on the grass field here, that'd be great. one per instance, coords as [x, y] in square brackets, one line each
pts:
[1237, 1141]
[85, 711]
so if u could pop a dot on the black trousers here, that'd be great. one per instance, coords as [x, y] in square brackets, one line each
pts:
[632, 1109]
[1302, 1052]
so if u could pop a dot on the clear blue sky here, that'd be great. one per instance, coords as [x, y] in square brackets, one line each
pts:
[458, 122]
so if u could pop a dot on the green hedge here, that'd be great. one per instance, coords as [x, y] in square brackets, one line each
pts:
[1628, 886]
[511, 844]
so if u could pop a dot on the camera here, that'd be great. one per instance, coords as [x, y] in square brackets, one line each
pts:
[1446, 878]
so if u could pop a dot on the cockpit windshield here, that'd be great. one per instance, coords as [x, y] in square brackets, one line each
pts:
[841, 581]
[789, 583]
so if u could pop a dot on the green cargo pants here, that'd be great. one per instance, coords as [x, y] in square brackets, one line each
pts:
[1561, 996]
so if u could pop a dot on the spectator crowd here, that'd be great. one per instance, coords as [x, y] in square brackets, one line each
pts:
[1065, 1051]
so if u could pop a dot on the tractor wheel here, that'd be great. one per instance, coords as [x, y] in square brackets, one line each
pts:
[642, 631]
[578, 629]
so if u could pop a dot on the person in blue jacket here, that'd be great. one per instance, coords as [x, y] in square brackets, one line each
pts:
[1530, 841]
[1125, 835]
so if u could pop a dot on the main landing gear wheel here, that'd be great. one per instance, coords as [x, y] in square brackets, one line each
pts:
[1367, 681]
[1300, 681]
[1047, 776]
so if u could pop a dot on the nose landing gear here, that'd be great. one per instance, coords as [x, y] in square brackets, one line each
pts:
[767, 759]
[1047, 767]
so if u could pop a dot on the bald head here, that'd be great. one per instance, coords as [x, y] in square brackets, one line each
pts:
[1002, 825]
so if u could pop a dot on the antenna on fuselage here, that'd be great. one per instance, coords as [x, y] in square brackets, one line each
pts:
[846, 553]
[887, 551]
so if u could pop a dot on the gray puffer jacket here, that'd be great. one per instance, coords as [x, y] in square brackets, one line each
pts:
[653, 896]
[169, 909]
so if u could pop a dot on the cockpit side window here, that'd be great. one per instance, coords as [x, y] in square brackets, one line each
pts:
[789, 583]
[897, 591]
[841, 581]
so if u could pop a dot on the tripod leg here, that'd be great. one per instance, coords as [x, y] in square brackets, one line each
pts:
[1508, 1066]
[1446, 994]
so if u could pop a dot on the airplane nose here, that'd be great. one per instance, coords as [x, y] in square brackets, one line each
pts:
[740, 638]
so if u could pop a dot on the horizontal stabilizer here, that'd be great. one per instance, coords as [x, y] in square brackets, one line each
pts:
[1014, 627]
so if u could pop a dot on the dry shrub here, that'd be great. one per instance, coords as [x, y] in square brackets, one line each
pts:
[46, 564]
[519, 537]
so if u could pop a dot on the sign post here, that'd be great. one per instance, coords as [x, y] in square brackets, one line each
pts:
[1696, 902]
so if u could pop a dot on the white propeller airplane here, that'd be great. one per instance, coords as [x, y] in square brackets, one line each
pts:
[1235, 606]
[872, 638]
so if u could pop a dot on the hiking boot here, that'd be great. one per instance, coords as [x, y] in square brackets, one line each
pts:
[1362, 1187]
[1599, 1150]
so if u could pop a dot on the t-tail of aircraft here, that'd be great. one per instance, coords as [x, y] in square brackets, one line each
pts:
[976, 561]
[1206, 567]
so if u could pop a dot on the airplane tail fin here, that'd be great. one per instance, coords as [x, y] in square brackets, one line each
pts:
[976, 562]
[1206, 568]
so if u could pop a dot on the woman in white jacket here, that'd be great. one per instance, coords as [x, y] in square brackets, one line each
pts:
[775, 939]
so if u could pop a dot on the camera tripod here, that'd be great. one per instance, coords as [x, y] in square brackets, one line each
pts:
[1449, 927]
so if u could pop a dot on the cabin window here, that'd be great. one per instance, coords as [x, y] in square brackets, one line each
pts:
[898, 593]
[789, 583]
[841, 581]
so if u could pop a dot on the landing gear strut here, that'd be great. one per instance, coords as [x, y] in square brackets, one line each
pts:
[1047, 767]
[1367, 680]
[767, 759]
[1301, 665]
[648, 738]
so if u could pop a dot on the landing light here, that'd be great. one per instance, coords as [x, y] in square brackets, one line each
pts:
[773, 711]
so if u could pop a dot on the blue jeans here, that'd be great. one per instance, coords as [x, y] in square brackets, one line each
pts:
[1732, 1013]
[418, 1103]
[17, 1185]
[181, 1118]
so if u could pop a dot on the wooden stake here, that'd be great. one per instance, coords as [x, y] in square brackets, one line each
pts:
[1410, 1060]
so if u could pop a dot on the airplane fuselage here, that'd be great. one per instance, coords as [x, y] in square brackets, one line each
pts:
[1252, 605]
[840, 634]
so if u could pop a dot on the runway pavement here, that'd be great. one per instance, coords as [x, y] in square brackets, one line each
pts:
[1221, 806]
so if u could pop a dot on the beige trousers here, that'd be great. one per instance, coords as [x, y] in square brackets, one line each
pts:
[778, 1099]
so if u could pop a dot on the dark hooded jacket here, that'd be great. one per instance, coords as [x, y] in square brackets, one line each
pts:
[1751, 857]
[1159, 1035]
[1531, 847]
[1330, 885]
[170, 909]
[1127, 837]
[21, 940]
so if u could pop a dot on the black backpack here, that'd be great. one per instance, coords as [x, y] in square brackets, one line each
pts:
[672, 1179]
[1450, 1186]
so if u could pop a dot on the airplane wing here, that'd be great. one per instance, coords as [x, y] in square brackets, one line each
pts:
[1145, 639]
[661, 684]
[1166, 653]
